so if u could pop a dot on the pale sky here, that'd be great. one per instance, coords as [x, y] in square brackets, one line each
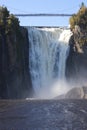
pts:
[43, 6]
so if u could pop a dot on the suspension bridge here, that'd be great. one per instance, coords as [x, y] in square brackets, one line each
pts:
[43, 15]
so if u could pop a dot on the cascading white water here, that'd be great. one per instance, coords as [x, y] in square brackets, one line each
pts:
[48, 50]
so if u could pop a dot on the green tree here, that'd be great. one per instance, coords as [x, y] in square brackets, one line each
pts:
[80, 18]
[8, 21]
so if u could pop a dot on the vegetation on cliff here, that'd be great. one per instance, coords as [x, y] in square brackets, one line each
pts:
[8, 22]
[78, 24]
[80, 18]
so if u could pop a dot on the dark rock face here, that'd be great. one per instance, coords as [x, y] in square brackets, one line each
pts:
[76, 65]
[15, 81]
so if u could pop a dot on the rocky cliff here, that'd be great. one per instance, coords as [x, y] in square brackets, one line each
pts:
[15, 79]
[76, 66]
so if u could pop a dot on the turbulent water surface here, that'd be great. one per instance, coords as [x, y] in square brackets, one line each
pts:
[43, 115]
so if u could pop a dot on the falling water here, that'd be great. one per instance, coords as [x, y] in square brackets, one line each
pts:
[48, 51]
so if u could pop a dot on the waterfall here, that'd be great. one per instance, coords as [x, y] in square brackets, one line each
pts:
[48, 51]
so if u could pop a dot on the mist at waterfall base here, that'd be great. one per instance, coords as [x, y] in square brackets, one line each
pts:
[48, 51]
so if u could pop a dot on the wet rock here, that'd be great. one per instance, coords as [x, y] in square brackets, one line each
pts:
[75, 93]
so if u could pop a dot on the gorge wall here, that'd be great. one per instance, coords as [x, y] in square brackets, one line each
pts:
[76, 66]
[15, 81]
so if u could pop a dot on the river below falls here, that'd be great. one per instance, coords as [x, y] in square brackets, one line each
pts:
[43, 114]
